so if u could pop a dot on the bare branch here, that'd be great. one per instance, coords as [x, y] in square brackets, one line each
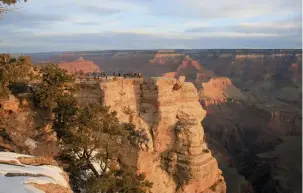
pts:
[4, 8]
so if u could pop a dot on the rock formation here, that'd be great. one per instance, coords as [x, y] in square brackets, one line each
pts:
[220, 89]
[165, 57]
[24, 128]
[21, 173]
[80, 65]
[176, 157]
[192, 70]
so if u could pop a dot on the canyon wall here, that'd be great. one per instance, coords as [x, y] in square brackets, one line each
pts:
[176, 157]
[254, 135]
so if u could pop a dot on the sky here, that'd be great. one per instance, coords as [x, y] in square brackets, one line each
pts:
[77, 25]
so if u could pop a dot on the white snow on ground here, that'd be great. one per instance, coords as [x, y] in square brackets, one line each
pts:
[8, 156]
[20, 184]
[49, 171]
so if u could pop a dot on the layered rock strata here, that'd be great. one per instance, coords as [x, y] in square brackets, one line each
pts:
[176, 157]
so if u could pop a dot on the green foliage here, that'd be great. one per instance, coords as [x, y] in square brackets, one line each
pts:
[65, 114]
[54, 76]
[119, 181]
[88, 138]
[46, 96]
[13, 70]
[51, 87]
[136, 137]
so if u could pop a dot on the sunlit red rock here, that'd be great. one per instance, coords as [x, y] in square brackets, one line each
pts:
[176, 157]
[80, 65]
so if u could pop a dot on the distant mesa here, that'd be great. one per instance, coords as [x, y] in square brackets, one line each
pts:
[164, 56]
[80, 65]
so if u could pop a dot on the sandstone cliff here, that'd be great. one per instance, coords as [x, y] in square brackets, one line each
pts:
[21, 173]
[78, 65]
[176, 158]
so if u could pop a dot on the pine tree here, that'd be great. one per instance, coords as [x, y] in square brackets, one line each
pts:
[12, 71]
[87, 148]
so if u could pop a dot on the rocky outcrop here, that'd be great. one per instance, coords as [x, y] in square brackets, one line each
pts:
[220, 89]
[176, 157]
[24, 128]
[80, 65]
[21, 173]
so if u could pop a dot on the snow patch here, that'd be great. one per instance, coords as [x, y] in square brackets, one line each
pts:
[8, 156]
[21, 184]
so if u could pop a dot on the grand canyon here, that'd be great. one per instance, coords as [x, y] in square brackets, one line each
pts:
[216, 120]
[130, 96]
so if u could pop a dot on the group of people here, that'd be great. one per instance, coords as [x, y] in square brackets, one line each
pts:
[99, 75]
[128, 75]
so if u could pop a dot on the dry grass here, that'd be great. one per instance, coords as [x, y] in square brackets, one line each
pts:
[37, 161]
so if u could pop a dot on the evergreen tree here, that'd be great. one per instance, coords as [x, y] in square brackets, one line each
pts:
[86, 139]
[13, 70]
[52, 86]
